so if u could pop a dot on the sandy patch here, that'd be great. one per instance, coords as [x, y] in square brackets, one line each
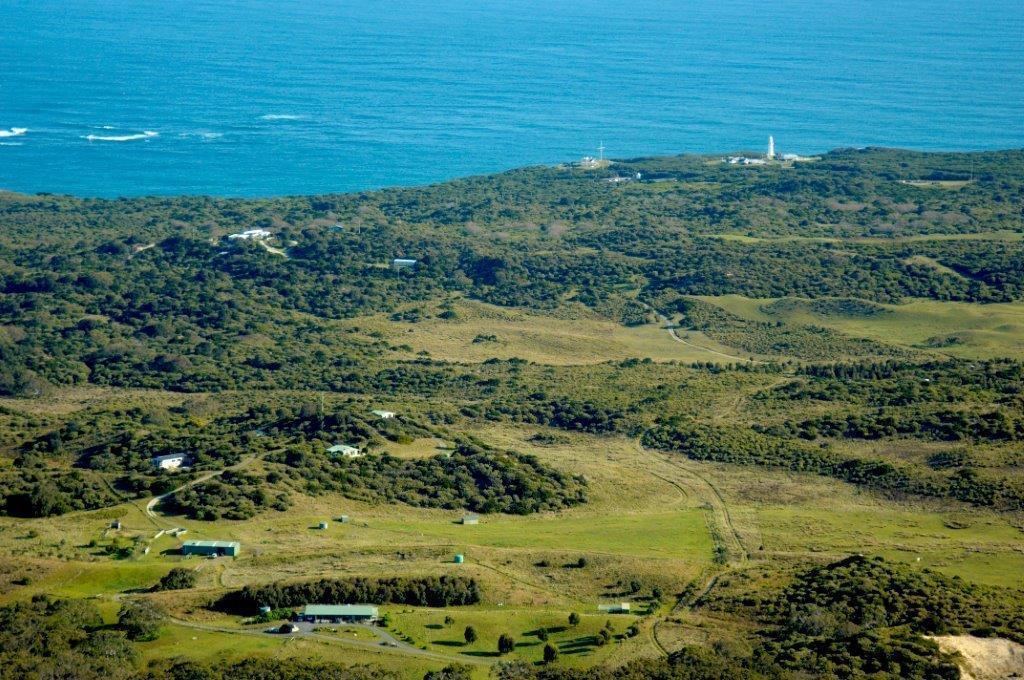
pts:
[985, 658]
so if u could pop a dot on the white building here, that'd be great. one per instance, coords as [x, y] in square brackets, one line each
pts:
[345, 450]
[171, 461]
[383, 415]
[251, 235]
[470, 518]
[403, 263]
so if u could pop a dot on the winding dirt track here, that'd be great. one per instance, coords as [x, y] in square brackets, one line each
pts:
[689, 482]
[675, 336]
[151, 504]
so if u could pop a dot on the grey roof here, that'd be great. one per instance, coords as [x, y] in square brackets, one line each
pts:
[340, 610]
[212, 544]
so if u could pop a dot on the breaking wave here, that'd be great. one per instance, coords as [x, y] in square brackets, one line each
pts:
[281, 116]
[147, 134]
[13, 132]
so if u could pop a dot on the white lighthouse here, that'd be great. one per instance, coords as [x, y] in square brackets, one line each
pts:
[771, 147]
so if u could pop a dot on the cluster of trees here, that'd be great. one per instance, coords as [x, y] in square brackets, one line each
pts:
[748, 447]
[760, 337]
[944, 425]
[47, 638]
[33, 491]
[424, 591]
[178, 578]
[868, 593]
[901, 383]
[470, 476]
[563, 413]
[235, 494]
[865, 618]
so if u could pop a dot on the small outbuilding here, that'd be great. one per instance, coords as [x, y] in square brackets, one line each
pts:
[459, 558]
[403, 263]
[339, 613]
[470, 518]
[614, 608]
[288, 629]
[322, 525]
[211, 548]
[343, 519]
[383, 415]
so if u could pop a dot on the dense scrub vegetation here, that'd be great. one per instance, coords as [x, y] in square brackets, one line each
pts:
[862, 617]
[749, 447]
[148, 293]
[758, 337]
[427, 591]
[469, 477]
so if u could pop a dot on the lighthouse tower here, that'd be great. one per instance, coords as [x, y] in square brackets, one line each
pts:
[771, 147]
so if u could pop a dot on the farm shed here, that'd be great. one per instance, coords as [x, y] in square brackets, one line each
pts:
[339, 613]
[214, 548]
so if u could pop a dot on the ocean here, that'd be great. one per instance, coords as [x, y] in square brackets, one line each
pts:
[269, 97]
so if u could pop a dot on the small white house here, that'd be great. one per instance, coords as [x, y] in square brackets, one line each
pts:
[345, 450]
[403, 263]
[171, 461]
[470, 518]
[250, 235]
[383, 415]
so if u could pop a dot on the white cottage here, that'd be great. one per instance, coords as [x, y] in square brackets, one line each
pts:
[171, 461]
[345, 450]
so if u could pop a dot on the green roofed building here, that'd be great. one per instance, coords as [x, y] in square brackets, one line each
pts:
[211, 548]
[340, 613]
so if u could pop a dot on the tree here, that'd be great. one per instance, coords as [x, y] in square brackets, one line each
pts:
[448, 620]
[455, 671]
[550, 653]
[178, 578]
[574, 619]
[542, 634]
[140, 619]
[506, 643]
[470, 635]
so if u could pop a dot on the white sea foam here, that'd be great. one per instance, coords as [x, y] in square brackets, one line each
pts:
[11, 144]
[205, 136]
[147, 134]
[13, 132]
[282, 116]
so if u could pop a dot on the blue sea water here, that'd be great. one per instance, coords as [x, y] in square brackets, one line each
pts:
[267, 97]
